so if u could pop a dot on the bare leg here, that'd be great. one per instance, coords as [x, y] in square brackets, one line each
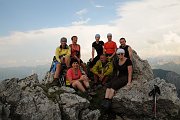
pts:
[111, 93]
[84, 67]
[67, 61]
[78, 85]
[108, 90]
[86, 83]
[57, 72]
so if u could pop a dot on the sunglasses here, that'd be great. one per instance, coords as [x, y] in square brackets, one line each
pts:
[120, 54]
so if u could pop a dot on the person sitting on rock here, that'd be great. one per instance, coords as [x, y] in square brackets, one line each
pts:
[122, 76]
[127, 48]
[75, 79]
[102, 70]
[75, 52]
[62, 56]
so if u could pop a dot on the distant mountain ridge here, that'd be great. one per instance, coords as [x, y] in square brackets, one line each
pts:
[168, 63]
[169, 76]
[21, 72]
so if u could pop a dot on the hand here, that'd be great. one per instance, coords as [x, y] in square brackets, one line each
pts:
[101, 76]
[92, 59]
[83, 77]
[128, 86]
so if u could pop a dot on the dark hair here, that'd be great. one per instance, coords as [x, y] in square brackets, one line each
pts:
[73, 60]
[63, 39]
[73, 37]
[123, 39]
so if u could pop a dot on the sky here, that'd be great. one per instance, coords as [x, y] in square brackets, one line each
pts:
[30, 30]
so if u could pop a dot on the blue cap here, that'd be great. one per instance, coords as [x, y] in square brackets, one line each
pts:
[97, 36]
[109, 34]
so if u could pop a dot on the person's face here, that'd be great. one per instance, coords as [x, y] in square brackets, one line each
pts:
[120, 55]
[97, 38]
[103, 58]
[109, 38]
[63, 43]
[122, 42]
[74, 40]
[75, 65]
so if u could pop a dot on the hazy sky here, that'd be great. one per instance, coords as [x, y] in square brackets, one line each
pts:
[30, 29]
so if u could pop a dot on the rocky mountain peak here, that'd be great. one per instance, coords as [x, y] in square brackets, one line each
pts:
[28, 99]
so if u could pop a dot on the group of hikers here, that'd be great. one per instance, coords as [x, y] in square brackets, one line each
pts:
[112, 67]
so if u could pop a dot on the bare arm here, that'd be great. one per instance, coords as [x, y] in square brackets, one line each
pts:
[92, 52]
[129, 74]
[130, 52]
[79, 52]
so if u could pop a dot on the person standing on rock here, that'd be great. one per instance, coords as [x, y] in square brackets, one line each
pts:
[110, 47]
[75, 79]
[62, 56]
[98, 46]
[127, 48]
[75, 52]
[122, 76]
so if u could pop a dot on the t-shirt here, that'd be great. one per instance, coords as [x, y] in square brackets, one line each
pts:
[110, 47]
[71, 74]
[123, 69]
[75, 50]
[98, 47]
[126, 51]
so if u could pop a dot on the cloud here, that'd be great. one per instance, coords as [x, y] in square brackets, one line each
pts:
[149, 24]
[81, 12]
[28, 48]
[151, 27]
[81, 19]
[81, 22]
[99, 6]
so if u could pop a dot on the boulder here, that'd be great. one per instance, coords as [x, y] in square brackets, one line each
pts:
[48, 78]
[24, 100]
[135, 103]
[35, 105]
[90, 114]
[27, 99]
[141, 69]
[74, 104]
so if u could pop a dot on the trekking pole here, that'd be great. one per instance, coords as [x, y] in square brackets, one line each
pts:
[155, 106]
[153, 93]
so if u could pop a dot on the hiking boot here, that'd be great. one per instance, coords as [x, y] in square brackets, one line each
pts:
[106, 104]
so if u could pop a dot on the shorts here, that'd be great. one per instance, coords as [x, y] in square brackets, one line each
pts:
[117, 82]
